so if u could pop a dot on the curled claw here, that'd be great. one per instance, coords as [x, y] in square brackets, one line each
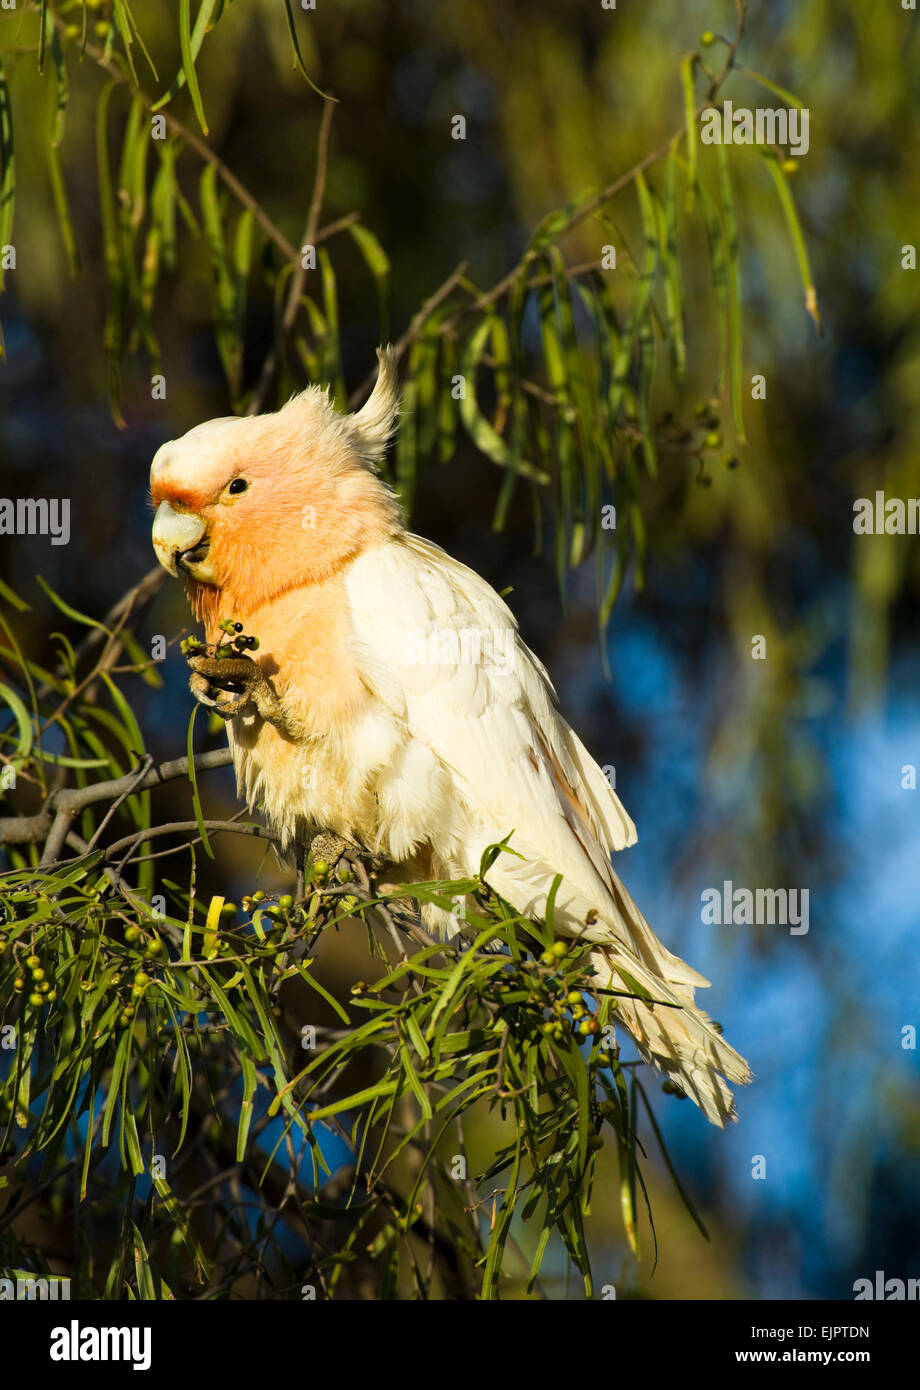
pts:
[240, 676]
[246, 685]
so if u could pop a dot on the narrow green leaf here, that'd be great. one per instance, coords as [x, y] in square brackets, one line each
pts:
[69, 611]
[146, 1284]
[719, 267]
[114, 269]
[687, 66]
[480, 431]
[22, 719]
[332, 368]
[798, 240]
[202, 26]
[245, 1120]
[188, 59]
[734, 291]
[62, 208]
[378, 263]
[682, 1191]
[298, 56]
[782, 92]
[667, 226]
[196, 800]
[415, 1083]
[11, 597]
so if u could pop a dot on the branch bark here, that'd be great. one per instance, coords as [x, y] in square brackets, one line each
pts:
[64, 804]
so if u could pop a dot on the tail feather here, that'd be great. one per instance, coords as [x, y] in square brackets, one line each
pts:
[672, 1033]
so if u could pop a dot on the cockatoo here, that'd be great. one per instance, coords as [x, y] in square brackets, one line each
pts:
[393, 703]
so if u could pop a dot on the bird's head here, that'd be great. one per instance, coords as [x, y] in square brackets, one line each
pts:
[249, 507]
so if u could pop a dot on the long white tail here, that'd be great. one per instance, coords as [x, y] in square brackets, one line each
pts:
[669, 1029]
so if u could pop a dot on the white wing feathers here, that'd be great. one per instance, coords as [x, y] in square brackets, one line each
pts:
[439, 647]
[485, 752]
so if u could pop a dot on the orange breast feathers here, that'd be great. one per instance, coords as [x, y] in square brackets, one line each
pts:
[306, 651]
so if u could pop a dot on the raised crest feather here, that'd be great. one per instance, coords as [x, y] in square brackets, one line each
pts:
[375, 423]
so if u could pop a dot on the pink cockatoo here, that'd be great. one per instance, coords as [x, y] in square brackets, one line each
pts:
[393, 703]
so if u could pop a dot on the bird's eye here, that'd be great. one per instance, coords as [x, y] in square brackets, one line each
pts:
[237, 486]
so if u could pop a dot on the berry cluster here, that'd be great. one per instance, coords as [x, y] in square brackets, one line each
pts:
[569, 1009]
[239, 644]
[41, 989]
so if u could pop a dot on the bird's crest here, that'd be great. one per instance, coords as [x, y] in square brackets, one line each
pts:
[375, 423]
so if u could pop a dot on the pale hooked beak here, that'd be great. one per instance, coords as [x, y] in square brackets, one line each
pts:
[180, 542]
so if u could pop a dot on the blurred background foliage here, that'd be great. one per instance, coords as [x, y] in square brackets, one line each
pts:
[783, 771]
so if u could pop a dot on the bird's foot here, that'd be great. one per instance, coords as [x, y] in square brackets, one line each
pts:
[327, 848]
[241, 681]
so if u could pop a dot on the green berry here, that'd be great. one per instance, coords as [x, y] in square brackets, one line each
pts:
[713, 440]
[33, 961]
[595, 1142]
[286, 902]
[573, 997]
[547, 958]
[560, 949]
[320, 868]
[132, 934]
[141, 979]
[707, 38]
[19, 983]
[258, 897]
[36, 998]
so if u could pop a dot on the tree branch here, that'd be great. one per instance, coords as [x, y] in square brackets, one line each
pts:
[269, 371]
[68, 802]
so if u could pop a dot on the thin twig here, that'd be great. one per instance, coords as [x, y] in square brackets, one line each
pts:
[19, 830]
[412, 332]
[269, 371]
